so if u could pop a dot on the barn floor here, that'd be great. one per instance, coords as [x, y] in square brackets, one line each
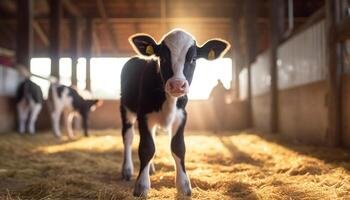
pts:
[226, 166]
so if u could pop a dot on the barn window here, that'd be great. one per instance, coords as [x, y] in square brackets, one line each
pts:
[81, 73]
[66, 71]
[41, 67]
[105, 75]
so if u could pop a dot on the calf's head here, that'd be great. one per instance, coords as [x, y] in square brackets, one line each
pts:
[85, 108]
[177, 53]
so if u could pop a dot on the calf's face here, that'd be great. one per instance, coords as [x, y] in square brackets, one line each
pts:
[177, 54]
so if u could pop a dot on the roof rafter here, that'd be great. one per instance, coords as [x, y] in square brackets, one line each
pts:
[107, 23]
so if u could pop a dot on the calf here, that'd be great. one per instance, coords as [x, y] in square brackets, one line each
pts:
[29, 99]
[154, 91]
[66, 99]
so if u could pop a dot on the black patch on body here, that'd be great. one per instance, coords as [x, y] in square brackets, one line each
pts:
[190, 63]
[29, 90]
[79, 104]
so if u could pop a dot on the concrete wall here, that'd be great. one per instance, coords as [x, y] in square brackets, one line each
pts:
[7, 114]
[303, 112]
[261, 112]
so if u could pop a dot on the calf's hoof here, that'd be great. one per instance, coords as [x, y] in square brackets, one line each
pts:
[140, 190]
[152, 169]
[126, 174]
[185, 189]
[31, 132]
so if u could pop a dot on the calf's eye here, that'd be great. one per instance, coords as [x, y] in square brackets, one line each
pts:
[193, 60]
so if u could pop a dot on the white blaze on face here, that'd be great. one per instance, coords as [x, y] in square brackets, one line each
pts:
[178, 43]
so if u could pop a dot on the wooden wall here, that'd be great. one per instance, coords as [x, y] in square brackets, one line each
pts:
[201, 116]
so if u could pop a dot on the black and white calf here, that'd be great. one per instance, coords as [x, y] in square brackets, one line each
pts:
[154, 91]
[29, 99]
[66, 99]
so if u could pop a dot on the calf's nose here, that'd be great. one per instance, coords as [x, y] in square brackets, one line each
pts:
[179, 85]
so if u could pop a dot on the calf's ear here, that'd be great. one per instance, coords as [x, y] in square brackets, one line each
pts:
[213, 49]
[144, 44]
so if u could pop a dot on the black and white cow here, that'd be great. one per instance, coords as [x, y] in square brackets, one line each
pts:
[66, 99]
[154, 91]
[29, 99]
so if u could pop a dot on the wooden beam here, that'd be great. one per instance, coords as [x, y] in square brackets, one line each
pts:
[333, 80]
[96, 44]
[260, 20]
[163, 16]
[107, 23]
[88, 51]
[37, 28]
[236, 49]
[276, 32]
[250, 26]
[74, 42]
[55, 36]
[250, 10]
[169, 20]
[71, 8]
[343, 30]
[24, 45]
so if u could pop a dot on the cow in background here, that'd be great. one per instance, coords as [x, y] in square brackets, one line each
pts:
[154, 91]
[29, 100]
[66, 99]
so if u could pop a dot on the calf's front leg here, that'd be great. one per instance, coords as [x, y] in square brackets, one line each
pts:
[146, 153]
[178, 151]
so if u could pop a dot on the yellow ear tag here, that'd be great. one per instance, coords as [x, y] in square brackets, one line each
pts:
[149, 50]
[211, 55]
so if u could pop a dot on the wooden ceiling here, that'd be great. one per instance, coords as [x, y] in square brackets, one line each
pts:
[203, 18]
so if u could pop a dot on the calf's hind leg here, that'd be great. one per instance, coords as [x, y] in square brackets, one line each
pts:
[35, 110]
[23, 112]
[128, 121]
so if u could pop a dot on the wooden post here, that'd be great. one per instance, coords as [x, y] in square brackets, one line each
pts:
[55, 35]
[24, 32]
[333, 80]
[250, 10]
[276, 32]
[88, 50]
[74, 37]
[236, 48]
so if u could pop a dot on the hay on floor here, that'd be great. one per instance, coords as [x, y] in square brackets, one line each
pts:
[227, 166]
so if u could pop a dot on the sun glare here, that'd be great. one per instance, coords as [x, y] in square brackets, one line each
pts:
[105, 75]
[206, 75]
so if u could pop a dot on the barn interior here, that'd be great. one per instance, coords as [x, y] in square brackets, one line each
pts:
[280, 130]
